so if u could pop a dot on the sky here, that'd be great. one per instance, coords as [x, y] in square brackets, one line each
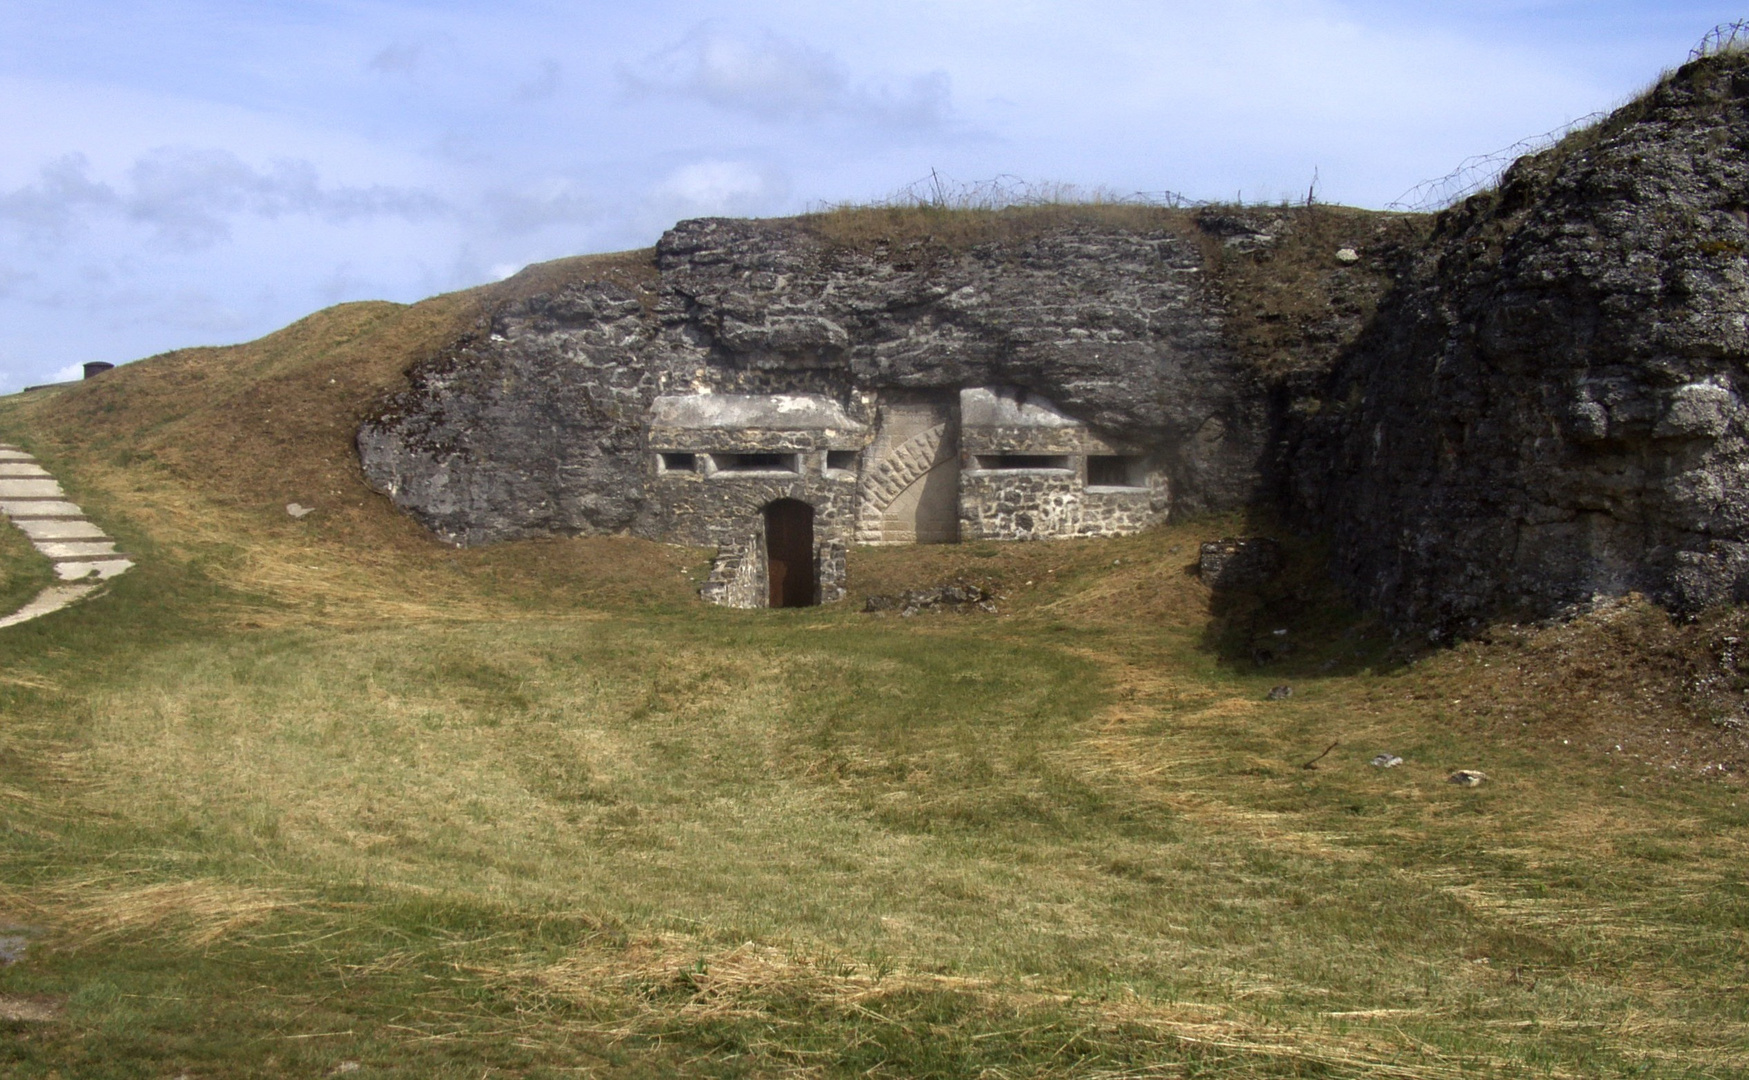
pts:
[193, 172]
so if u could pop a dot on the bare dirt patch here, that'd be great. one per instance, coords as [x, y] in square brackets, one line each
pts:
[36, 1009]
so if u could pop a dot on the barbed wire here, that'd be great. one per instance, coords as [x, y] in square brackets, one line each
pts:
[939, 192]
[1723, 38]
[1482, 171]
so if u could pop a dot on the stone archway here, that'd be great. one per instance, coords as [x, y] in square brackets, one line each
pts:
[912, 494]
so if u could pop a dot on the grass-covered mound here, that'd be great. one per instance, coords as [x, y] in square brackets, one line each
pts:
[301, 793]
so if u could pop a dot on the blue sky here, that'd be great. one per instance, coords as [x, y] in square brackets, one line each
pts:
[178, 173]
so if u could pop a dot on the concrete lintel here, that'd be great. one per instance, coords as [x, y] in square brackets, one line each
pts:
[756, 412]
[1011, 407]
[753, 440]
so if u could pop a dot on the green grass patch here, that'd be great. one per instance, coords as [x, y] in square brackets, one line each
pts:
[24, 572]
[725, 843]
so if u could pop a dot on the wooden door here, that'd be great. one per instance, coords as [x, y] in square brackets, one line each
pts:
[789, 553]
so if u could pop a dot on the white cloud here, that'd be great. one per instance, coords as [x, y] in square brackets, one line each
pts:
[399, 59]
[720, 189]
[774, 78]
[542, 86]
[190, 196]
[540, 205]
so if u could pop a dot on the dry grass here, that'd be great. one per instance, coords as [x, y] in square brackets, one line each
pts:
[196, 913]
[670, 979]
[297, 793]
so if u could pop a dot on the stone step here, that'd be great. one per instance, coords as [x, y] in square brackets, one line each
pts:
[23, 470]
[39, 508]
[15, 455]
[53, 598]
[60, 529]
[77, 549]
[103, 568]
[30, 489]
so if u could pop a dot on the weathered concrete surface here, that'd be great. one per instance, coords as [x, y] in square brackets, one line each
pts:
[75, 549]
[30, 489]
[39, 529]
[41, 508]
[50, 600]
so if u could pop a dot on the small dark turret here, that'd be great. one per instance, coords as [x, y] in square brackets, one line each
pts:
[96, 368]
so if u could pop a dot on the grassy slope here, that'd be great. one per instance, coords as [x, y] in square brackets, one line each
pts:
[300, 793]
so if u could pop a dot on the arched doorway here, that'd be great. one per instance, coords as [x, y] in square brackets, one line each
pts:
[789, 553]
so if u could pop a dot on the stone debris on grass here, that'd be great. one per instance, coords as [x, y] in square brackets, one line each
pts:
[1467, 778]
[1238, 562]
[1281, 693]
[299, 510]
[1386, 761]
[12, 949]
[959, 597]
[28, 1010]
[1347, 255]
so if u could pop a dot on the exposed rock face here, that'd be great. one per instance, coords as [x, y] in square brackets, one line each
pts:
[1552, 405]
[538, 426]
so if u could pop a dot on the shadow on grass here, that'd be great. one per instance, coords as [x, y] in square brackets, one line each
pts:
[1292, 618]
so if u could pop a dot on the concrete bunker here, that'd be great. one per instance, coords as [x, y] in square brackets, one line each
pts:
[783, 484]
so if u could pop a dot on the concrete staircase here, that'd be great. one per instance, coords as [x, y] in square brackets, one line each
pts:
[81, 552]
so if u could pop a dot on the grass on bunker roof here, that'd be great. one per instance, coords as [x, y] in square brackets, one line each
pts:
[294, 794]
